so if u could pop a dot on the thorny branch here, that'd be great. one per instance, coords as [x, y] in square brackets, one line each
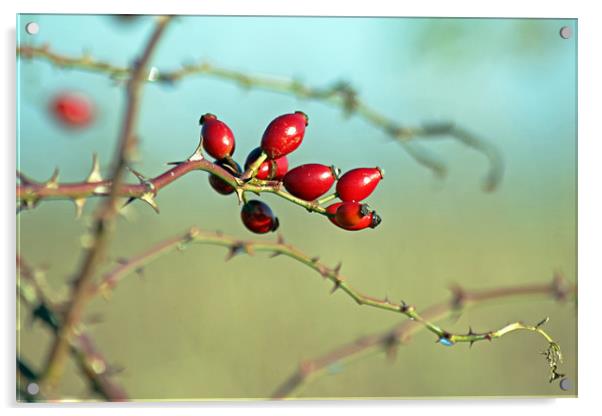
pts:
[90, 361]
[103, 227]
[339, 94]
[30, 193]
[390, 341]
[558, 288]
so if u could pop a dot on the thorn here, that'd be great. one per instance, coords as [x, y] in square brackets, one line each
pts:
[79, 206]
[403, 307]
[315, 259]
[280, 239]
[542, 322]
[149, 198]
[129, 201]
[143, 179]
[25, 180]
[235, 249]
[337, 269]
[275, 254]
[53, 182]
[239, 195]
[198, 153]
[337, 285]
[94, 175]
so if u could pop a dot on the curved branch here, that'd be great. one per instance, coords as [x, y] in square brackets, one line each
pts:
[279, 247]
[401, 334]
[340, 95]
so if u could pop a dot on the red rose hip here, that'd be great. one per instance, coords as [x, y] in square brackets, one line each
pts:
[219, 184]
[218, 139]
[272, 169]
[72, 110]
[358, 184]
[310, 181]
[371, 220]
[284, 134]
[258, 217]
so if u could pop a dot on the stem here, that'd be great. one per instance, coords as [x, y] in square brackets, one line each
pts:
[55, 362]
[417, 320]
[340, 95]
[326, 199]
[32, 193]
[254, 167]
[389, 341]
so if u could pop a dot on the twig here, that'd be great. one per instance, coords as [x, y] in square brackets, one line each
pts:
[30, 193]
[90, 361]
[340, 95]
[103, 228]
[402, 333]
[237, 246]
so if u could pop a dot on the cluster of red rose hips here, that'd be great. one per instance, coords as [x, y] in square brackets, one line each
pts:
[307, 182]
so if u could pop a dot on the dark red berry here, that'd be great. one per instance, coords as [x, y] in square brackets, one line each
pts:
[218, 139]
[372, 219]
[271, 169]
[309, 181]
[219, 184]
[358, 184]
[284, 134]
[258, 217]
[72, 109]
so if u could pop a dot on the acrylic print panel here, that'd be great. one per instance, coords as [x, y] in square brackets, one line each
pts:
[337, 281]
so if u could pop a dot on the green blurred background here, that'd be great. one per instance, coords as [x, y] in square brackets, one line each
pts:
[195, 327]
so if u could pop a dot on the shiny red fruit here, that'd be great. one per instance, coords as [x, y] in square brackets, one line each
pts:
[258, 217]
[73, 110]
[218, 139]
[271, 169]
[358, 184]
[284, 134]
[219, 184]
[309, 181]
[372, 220]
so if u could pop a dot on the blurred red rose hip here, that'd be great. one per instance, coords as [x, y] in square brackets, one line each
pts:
[284, 134]
[71, 109]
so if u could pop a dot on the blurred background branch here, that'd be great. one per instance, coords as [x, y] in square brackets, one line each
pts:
[339, 94]
[105, 217]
